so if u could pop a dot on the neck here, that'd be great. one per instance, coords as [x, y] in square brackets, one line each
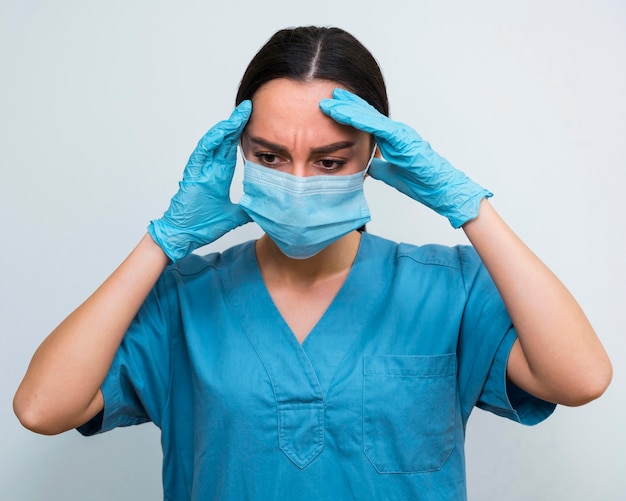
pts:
[336, 259]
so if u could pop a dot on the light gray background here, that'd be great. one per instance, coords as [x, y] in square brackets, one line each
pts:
[102, 102]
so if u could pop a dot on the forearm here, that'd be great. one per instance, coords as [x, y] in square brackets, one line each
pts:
[558, 356]
[61, 388]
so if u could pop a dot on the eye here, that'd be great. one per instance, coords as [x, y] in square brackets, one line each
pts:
[268, 159]
[330, 165]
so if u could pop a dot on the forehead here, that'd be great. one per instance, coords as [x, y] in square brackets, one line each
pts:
[283, 106]
[304, 93]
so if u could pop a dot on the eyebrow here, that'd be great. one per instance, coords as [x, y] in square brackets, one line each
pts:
[320, 150]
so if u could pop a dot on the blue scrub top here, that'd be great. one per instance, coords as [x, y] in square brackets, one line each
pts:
[373, 404]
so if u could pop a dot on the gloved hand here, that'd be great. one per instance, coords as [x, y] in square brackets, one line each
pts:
[201, 210]
[412, 166]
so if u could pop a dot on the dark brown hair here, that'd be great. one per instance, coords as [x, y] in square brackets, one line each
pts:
[310, 52]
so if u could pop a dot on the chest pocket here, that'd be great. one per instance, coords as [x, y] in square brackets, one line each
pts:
[409, 408]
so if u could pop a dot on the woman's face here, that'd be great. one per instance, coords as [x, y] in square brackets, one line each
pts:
[288, 131]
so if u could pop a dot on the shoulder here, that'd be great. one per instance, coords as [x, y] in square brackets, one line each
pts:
[457, 268]
[195, 264]
[459, 257]
[200, 277]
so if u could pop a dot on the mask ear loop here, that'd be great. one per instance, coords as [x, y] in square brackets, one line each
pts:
[243, 156]
[367, 167]
[363, 229]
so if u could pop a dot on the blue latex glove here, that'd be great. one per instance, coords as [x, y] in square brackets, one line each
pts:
[412, 166]
[201, 210]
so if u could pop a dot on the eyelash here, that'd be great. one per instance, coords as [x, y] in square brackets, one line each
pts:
[338, 164]
[263, 158]
[269, 159]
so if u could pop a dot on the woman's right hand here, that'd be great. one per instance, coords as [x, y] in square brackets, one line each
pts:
[61, 388]
[201, 210]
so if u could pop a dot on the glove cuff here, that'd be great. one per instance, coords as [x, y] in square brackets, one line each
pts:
[159, 235]
[466, 210]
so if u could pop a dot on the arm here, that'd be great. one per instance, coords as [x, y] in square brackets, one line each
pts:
[557, 356]
[61, 388]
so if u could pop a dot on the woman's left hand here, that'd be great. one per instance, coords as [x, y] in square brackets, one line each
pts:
[411, 165]
[557, 356]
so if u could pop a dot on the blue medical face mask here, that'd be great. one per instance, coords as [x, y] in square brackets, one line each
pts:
[303, 215]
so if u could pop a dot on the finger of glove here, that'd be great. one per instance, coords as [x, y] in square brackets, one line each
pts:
[349, 109]
[227, 130]
[222, 166]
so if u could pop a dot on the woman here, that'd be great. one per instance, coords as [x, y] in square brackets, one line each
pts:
[319, 362]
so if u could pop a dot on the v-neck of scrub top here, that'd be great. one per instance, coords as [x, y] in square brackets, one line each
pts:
[304, 372]
[301, 375]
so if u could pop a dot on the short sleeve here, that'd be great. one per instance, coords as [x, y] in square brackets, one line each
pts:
[486, 339]
[136, 387]
[505, 399]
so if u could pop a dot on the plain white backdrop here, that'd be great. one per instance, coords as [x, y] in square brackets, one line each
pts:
[102, 102]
